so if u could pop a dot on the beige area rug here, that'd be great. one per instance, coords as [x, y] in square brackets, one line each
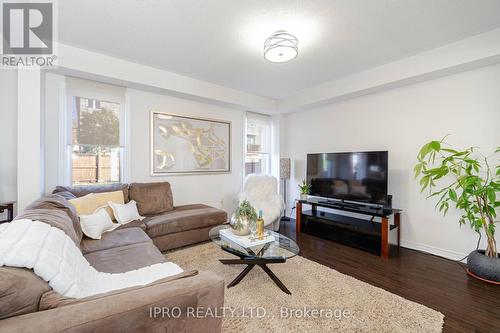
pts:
[347, 304]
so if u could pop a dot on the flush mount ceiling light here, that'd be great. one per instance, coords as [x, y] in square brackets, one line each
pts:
[281, 47]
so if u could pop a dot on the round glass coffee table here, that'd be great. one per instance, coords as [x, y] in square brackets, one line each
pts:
[274, 252]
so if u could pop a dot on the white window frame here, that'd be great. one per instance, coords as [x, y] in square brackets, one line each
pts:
[94, 90]
[262, 118]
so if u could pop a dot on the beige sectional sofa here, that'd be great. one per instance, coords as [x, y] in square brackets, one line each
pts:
[27, 303]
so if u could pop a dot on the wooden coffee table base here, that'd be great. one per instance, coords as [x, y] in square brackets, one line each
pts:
[251, 261]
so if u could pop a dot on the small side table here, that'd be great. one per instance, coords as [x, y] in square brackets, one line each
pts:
[9, 206]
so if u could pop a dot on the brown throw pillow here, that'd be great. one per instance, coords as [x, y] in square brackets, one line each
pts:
[152, 198]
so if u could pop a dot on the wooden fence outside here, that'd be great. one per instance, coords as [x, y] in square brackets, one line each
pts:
[92, 168]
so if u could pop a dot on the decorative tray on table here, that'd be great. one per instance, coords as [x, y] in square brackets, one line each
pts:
[245, 241]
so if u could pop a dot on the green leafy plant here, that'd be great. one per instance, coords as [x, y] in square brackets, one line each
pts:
[245, 211]
[304, 188]
[473, 185]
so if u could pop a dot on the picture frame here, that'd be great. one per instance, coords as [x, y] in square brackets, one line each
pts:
[186, 145]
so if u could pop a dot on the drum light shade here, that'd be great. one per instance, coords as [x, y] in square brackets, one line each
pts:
[285, 168]
[281, 47]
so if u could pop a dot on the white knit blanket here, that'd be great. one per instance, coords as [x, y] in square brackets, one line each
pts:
[54, 257]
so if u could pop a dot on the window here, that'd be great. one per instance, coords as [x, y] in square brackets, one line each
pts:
[95, 133]
[258, 144]
[95, 153]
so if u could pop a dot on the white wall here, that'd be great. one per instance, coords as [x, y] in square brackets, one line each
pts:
[30, 145]
[8, 135]
[55, 99]
[219, 190]
[465, 105]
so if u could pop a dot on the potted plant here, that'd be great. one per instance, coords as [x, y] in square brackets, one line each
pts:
[472, 185]
[243, 219]
[304, 188]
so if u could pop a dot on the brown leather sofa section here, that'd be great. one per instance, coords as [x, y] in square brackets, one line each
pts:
[116, 238]
[184, 218]
[129, 247]
[130, 311]
[20, 291]
[52, 299]
[179, 239]
[125, 258]
[152, 198]
[133, 224]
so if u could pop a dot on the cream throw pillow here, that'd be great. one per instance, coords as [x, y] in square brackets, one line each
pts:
[125, 213]
[94, 225]
[88, 204]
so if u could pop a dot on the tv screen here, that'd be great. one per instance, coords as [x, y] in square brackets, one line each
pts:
[356, 176]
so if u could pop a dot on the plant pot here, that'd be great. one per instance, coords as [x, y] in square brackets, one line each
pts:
[240, 226]
[303, 197]
[483, 267]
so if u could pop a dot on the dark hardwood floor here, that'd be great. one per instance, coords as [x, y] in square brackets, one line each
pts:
[468, 305]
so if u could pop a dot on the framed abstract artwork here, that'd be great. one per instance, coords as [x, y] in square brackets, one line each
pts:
[188, 145]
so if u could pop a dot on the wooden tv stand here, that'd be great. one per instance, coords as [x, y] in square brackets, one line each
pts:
[369, 235]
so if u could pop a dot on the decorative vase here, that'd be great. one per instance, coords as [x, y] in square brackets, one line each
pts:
[303, 196]
[240, 225]
[483, 267]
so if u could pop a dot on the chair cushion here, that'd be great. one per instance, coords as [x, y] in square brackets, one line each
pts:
[20, 291]
[55, 201]
[115, 238]
[125, 258]
[80, 191]
[184, 218]
[55, 218]
[152, 198]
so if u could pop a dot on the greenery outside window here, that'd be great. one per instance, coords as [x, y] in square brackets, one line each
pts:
[95, 141]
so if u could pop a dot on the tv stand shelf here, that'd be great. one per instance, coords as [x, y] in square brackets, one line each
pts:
[366, 234]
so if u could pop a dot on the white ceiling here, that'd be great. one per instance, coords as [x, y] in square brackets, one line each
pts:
[221, 41]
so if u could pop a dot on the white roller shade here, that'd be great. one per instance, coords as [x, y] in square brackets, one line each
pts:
[259, 126]
[95, 90]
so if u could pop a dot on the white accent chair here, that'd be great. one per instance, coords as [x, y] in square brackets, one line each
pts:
[262, 193]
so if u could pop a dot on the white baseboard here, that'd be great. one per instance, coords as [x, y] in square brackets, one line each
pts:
[448, 254]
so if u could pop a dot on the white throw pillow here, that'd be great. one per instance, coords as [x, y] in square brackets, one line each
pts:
[125, 213]
[94, 225]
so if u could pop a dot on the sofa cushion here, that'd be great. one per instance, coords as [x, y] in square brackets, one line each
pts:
[55, 201]
[125, 258]
[133, 224]
[53, 217]
[80, 191]
[20, 291]
[184, 218]
[152, 198]
[183, 238]
[115, 238]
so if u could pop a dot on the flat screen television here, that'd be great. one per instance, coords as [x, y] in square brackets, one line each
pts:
[354, 176]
